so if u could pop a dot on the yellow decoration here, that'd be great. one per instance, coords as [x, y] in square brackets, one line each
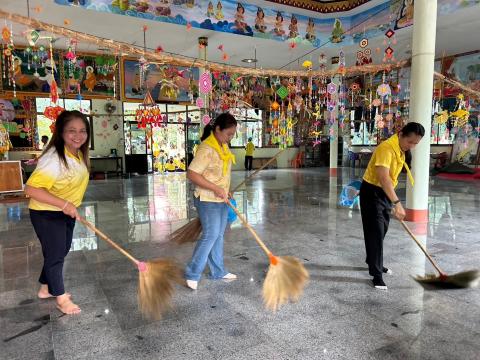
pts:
[442, 117]
[307, 64]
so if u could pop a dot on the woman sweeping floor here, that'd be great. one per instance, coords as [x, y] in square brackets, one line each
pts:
[378, 198]
[56, 189]
[210, 172]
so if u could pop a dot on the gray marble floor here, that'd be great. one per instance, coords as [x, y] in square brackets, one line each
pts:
[340, 315]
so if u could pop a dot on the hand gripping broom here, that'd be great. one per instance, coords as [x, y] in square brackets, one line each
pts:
[156, 278]
[192, 230]
[286, 276]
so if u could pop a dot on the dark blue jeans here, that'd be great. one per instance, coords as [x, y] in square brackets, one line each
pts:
[55, 231]
[209, 248]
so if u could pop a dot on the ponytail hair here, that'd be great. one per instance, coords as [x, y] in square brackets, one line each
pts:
[223, 121]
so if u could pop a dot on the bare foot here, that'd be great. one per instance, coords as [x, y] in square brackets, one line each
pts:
[66, 306]
[44, 294]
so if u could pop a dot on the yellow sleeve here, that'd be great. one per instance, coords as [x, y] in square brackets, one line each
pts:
[46, 173]
[384, 156]
[201, 160]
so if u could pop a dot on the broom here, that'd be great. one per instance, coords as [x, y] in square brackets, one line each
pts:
[464, 279]
[156, 277]
[286, 276]
[191, 231]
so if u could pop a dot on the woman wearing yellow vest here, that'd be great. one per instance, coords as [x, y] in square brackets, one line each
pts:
[210, 172]
[56, 189]
[378, 198]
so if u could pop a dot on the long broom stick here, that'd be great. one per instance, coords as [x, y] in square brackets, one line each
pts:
[191, 231]
[286, 276]
[463, 279]
[156, 277]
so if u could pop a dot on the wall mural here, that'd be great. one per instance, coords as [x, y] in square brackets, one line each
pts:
[165, 82]
[268, 23]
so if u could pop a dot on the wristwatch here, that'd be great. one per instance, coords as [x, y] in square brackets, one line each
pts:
[396, 202]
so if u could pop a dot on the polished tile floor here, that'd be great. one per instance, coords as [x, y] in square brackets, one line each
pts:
[340, 315]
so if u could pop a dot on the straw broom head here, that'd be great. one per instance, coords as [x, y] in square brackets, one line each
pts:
[188, 232]
[285, 280]
[155, 286]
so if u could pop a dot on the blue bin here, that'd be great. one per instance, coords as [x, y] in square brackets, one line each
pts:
[232, 216]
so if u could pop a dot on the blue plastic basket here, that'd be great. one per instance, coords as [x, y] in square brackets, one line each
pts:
[349, 195]
[232, 216]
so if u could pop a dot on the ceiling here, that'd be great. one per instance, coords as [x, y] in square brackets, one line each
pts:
[454, 35]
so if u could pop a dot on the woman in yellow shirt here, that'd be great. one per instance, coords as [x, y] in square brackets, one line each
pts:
[378, 198]
[56, 189]
[210, 172]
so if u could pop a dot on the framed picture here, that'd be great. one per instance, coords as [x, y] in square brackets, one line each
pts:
[167, 83]
[95, 74]
[33, 69]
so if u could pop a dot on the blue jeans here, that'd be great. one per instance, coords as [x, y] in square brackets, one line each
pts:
[209, 248]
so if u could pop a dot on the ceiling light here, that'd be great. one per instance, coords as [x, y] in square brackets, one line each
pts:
[249, 61]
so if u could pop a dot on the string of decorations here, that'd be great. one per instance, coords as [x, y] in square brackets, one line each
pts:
[161, 57]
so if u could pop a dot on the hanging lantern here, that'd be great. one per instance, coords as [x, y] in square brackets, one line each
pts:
[148, 112]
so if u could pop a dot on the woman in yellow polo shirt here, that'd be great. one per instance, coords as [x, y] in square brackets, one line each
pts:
[378, 198]
[210, 172]
[56, 189]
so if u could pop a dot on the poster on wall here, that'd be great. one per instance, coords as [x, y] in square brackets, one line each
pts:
[33, 70]
[95, 74]
[165, 82]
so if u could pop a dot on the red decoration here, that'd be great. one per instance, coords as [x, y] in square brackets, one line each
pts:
[148, 113]
[293, 45]
[159, 49]
[225, 57]
[189, 26]
[52, 113]
[389, 33]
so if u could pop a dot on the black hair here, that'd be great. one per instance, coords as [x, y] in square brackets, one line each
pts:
[223, 121]
[413, 128]
[279, 14]
[57, 141]
[260, 10]
[44, 137]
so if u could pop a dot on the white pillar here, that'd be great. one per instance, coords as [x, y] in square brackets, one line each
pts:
[421, 80]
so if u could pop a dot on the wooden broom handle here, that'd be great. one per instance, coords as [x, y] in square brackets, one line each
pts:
[249, 227]
[108, 240]
[422, 247]
[256, 171]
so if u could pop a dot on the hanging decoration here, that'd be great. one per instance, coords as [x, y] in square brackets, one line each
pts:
[148, 113]
[461, 112]
[205, 83]
[388, 42]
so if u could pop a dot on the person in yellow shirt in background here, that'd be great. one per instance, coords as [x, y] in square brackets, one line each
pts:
[249, 150]
[378, 198]
[56, 188]
[170, 165]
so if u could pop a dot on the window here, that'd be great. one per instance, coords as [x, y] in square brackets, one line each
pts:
[250, 124]
[43, 123]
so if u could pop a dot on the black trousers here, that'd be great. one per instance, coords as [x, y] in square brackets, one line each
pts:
[248, 162]
[375, 208]
[55, 231]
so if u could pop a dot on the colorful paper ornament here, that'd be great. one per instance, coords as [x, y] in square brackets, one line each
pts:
[275, 106]
[384, 90]
[282, 91]
[331, 88]
[363, 43]
[199, 102]
[52, 112]
[206, 119]
[205, 83]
